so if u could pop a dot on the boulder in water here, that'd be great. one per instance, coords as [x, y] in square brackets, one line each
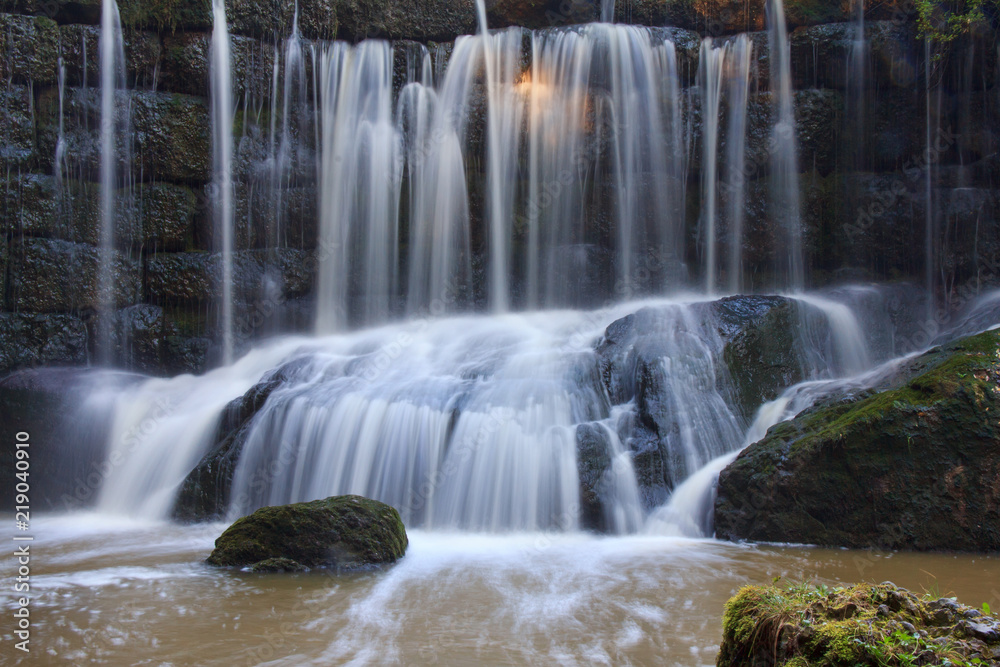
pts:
[911, 466]
[340, 533]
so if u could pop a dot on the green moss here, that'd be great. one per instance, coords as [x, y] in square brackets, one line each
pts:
[865, 624]
[342, 532]
[966, 367]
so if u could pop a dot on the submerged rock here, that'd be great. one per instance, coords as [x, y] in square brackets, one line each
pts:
[865, 624]
[341, 532]
[913, 466]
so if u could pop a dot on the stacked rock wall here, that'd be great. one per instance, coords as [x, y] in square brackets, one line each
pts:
[864, 189]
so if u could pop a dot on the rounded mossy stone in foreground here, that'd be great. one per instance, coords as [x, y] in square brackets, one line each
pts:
[870, 625]
[342, 532]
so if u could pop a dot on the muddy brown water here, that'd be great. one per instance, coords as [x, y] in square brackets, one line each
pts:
[112, 592]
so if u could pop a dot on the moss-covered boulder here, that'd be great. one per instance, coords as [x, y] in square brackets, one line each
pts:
[863, 625]
[341, 532]
[913, 466]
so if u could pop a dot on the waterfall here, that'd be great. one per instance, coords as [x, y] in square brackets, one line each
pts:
[359, 185]
[584, 175]
[857, 66]
[838, 360]
[434, 124]
[607, 11]
[60, 157]
[506, 110]
[467, 422]
[738, 95]
[112, 73]
[222, 163]
[723, 73]
[784, 159]
[710, 73]
[604, 103]
[928, 191]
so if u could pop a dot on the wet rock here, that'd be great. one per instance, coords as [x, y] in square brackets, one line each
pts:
[29, 340]
[206, 492]
[53, 276]
[193, 277]
[593, 464]
[17, 141]
[545, 14]
[183, 277]
[822, 55]
[142, 56]
[340, 533]
[898, 127]
[818, 115]
[169, 139]
[274, 565]
[885, 470]
[761, 354]
[440, 20]
[186, 354]
[138, 338]
[318, 19]
[62, 11]
[186, 65]
[156, 215]
[31, 49]
[167, 213]
[166, 15]
[34, 205]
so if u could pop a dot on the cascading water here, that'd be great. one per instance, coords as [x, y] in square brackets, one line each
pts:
[739, 58]
[838, 358]
[723, 69]
[784, 159]
[112, 73]
[710, 74]
[857, 71]
[222, 164]
[469, 423]
[359, 186]
[604, 109]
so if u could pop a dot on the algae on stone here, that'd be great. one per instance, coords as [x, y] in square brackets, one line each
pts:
[862, 625]
[341, 532]
[911, 467]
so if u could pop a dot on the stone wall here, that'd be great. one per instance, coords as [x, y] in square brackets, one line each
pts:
[864, 209]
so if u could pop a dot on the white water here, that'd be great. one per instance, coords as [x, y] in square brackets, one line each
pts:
[222, 110]
[784, 159]
[112, 73]
[359, 184]
[740, 58]
[460, 423]
[723, 69]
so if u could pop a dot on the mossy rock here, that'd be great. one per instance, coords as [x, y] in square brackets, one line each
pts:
[341, 533]
[862, 625]
[913, 466]
[273, 565]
